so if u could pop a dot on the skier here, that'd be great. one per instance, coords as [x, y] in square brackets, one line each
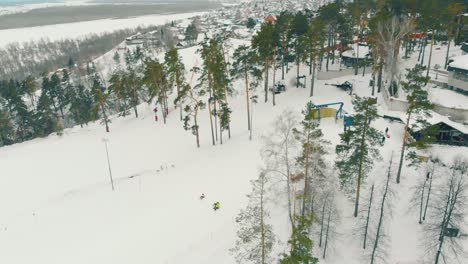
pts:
[383, 140]
[216, 206]
[155, 110]
[202, 196]
[386, 130]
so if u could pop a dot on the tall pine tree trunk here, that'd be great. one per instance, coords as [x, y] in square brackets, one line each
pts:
[247, 97]
[227, 107]
[321, 223]
[326, 235]
[274, 76]
[262, 221]
[382, 207]
[368, 217]
[178, 94]
[209, 110]
[104, 115]
[428, 194]
[447, 55]
[422, 201]
[195, 121]
[220, 124]
[297, 73]
[361, 160]
[312, 81]
[430, 54]
[420, 48]
[306, 173]
[380, 76]
[267, 65]
[424, 51]
[403, 147]
[163, 110]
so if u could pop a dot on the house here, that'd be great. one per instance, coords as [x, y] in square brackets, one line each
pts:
[270, 19]
[464, 47]
[458, 74]
[359, 53]
[446, 132]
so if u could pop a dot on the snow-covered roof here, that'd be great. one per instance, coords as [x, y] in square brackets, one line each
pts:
[433, 120]
[460, 62]
[351, 53]
[437, 118]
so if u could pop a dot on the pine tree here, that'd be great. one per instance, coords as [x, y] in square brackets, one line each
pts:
[250, 23]
[29, 87]
[315, 37]
[453, 10]
[301, 244]
[116, 59]
[255, 235]
[215, 78]
[194, 103]
[221, 86]
[7, 131]
[81, 104]
[133, 83]
[20, 114]
[263, 43]
[191, 33]
[46, 120]
[100, 95]
[245, 65]
[418, 109]
[175, 71]
[155, 80]
[359, 147]
[282, 28]
[313, 150]
[118, 88]
[298, 29]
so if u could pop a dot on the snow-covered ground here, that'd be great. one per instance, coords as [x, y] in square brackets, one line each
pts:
[81, 29]
[57, 206]
[56, 203]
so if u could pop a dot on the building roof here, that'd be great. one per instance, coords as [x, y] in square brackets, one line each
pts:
[352, 53]
[433, 120]
[270, 19]
[460, 62]
[439, 119]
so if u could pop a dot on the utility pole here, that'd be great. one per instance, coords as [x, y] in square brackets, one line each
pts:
[105, 140]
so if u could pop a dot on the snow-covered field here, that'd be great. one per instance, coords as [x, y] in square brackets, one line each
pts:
[56, 203]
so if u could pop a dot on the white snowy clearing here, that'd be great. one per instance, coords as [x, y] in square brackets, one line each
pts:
[57, 206]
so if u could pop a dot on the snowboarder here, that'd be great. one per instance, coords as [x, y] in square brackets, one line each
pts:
[202, 196]
[216, 206]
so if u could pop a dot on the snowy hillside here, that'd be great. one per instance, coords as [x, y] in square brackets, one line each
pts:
[318, 170]
[57, 205]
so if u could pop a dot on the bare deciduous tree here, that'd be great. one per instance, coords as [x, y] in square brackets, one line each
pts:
[389, 35]
[447, 214]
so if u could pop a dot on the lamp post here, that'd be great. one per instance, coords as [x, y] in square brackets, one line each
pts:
[105, 140]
